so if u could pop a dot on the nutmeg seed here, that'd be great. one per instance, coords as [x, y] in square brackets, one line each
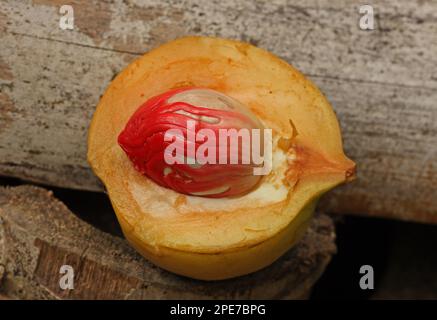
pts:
[161, 129]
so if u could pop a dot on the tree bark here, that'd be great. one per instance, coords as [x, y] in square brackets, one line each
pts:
[381, 83]
[38, 234]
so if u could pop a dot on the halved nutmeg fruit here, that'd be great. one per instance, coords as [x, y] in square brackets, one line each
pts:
[214, 154]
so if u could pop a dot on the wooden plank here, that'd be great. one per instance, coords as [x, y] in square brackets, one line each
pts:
[319, 37]
[391, 132]
[38, 234]
[381, 83]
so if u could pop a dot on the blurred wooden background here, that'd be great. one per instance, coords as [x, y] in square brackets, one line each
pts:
[382, 83]
[39, 234]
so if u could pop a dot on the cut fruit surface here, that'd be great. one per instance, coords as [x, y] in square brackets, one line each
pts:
[207, 238]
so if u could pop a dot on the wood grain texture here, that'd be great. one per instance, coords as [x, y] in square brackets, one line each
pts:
[382, 83]
[38, 234]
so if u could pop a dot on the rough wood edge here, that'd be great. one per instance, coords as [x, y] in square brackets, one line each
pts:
[38, 234]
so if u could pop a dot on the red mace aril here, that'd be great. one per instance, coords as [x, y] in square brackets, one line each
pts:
[188, 111]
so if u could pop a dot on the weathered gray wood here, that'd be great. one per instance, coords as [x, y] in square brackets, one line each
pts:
[38, 234]
[382, 83]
